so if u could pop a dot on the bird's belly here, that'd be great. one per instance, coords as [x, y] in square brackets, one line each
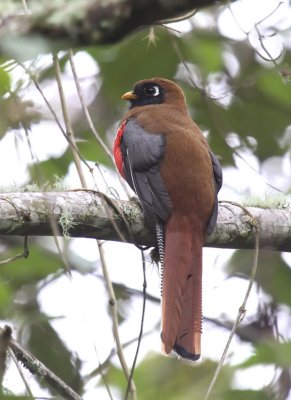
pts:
[190, 184]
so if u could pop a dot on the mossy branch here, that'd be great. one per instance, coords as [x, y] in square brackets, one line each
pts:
[91, 214]
[71, 23]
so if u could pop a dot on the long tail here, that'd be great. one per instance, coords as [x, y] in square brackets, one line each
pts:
[182, 289]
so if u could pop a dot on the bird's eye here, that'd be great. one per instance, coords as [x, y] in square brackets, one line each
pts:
[152, 91]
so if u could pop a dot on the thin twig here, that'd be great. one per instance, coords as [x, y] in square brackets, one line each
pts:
[104, 379]
[72, 141]
[242, 308]
[206, 97]
[113, 309]
[24, 380]
[69, 130]
[54, 226]
[109, 205]
[85, 109]
[260, 37]
[5, 338]
[270, 13]
[52, 111]
[25, 7]
[112, 298]
[33, 156]
[141, 324]
[271, 58]
[90, 122]
[190, 14]
[112, 353]
[23, 254]
[38, 369]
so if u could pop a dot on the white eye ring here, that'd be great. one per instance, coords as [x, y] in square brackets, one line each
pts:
[152, 91]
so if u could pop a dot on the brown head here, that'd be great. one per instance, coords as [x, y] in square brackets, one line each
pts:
[156, 91]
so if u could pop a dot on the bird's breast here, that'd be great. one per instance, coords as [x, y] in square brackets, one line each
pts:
[187, 173]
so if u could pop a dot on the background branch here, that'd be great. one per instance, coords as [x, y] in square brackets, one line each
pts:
[93, 215]
[88, 22]
[38, 369]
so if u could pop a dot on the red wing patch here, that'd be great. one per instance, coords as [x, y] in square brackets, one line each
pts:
[117, 150]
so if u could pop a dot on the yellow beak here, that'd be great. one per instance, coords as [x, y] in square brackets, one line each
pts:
[129, 96]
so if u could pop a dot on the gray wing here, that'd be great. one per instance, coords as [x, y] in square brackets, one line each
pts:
[217, 177]
[142, 154]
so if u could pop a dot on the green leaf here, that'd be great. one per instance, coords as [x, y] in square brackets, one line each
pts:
[273, 275]
[275, 88]
[158, 377]
[91, 150]
[208, 51]
[6, 296]
[36, 267]
[46, 171]
[56, 355]
[4, 81]
[134, 59]
[10, 397]
[246, 395]
[270, 353]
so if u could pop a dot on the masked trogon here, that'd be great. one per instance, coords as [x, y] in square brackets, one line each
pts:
[167, 161]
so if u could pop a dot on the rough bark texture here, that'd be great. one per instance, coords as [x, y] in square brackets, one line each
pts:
[74, 23]
[93, 215]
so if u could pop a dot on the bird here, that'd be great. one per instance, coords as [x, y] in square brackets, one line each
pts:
[162, 154]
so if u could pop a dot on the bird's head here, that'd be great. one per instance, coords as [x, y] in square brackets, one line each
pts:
[155, 91]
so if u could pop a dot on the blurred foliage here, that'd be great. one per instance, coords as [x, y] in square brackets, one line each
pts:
[271, 353]
[18, 296]
[274, 276]
[229, 90]
[173, 380]
[247, 394]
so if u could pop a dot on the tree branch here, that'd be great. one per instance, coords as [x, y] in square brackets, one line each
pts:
[91, 22]
[37, 368]
[93, 215]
